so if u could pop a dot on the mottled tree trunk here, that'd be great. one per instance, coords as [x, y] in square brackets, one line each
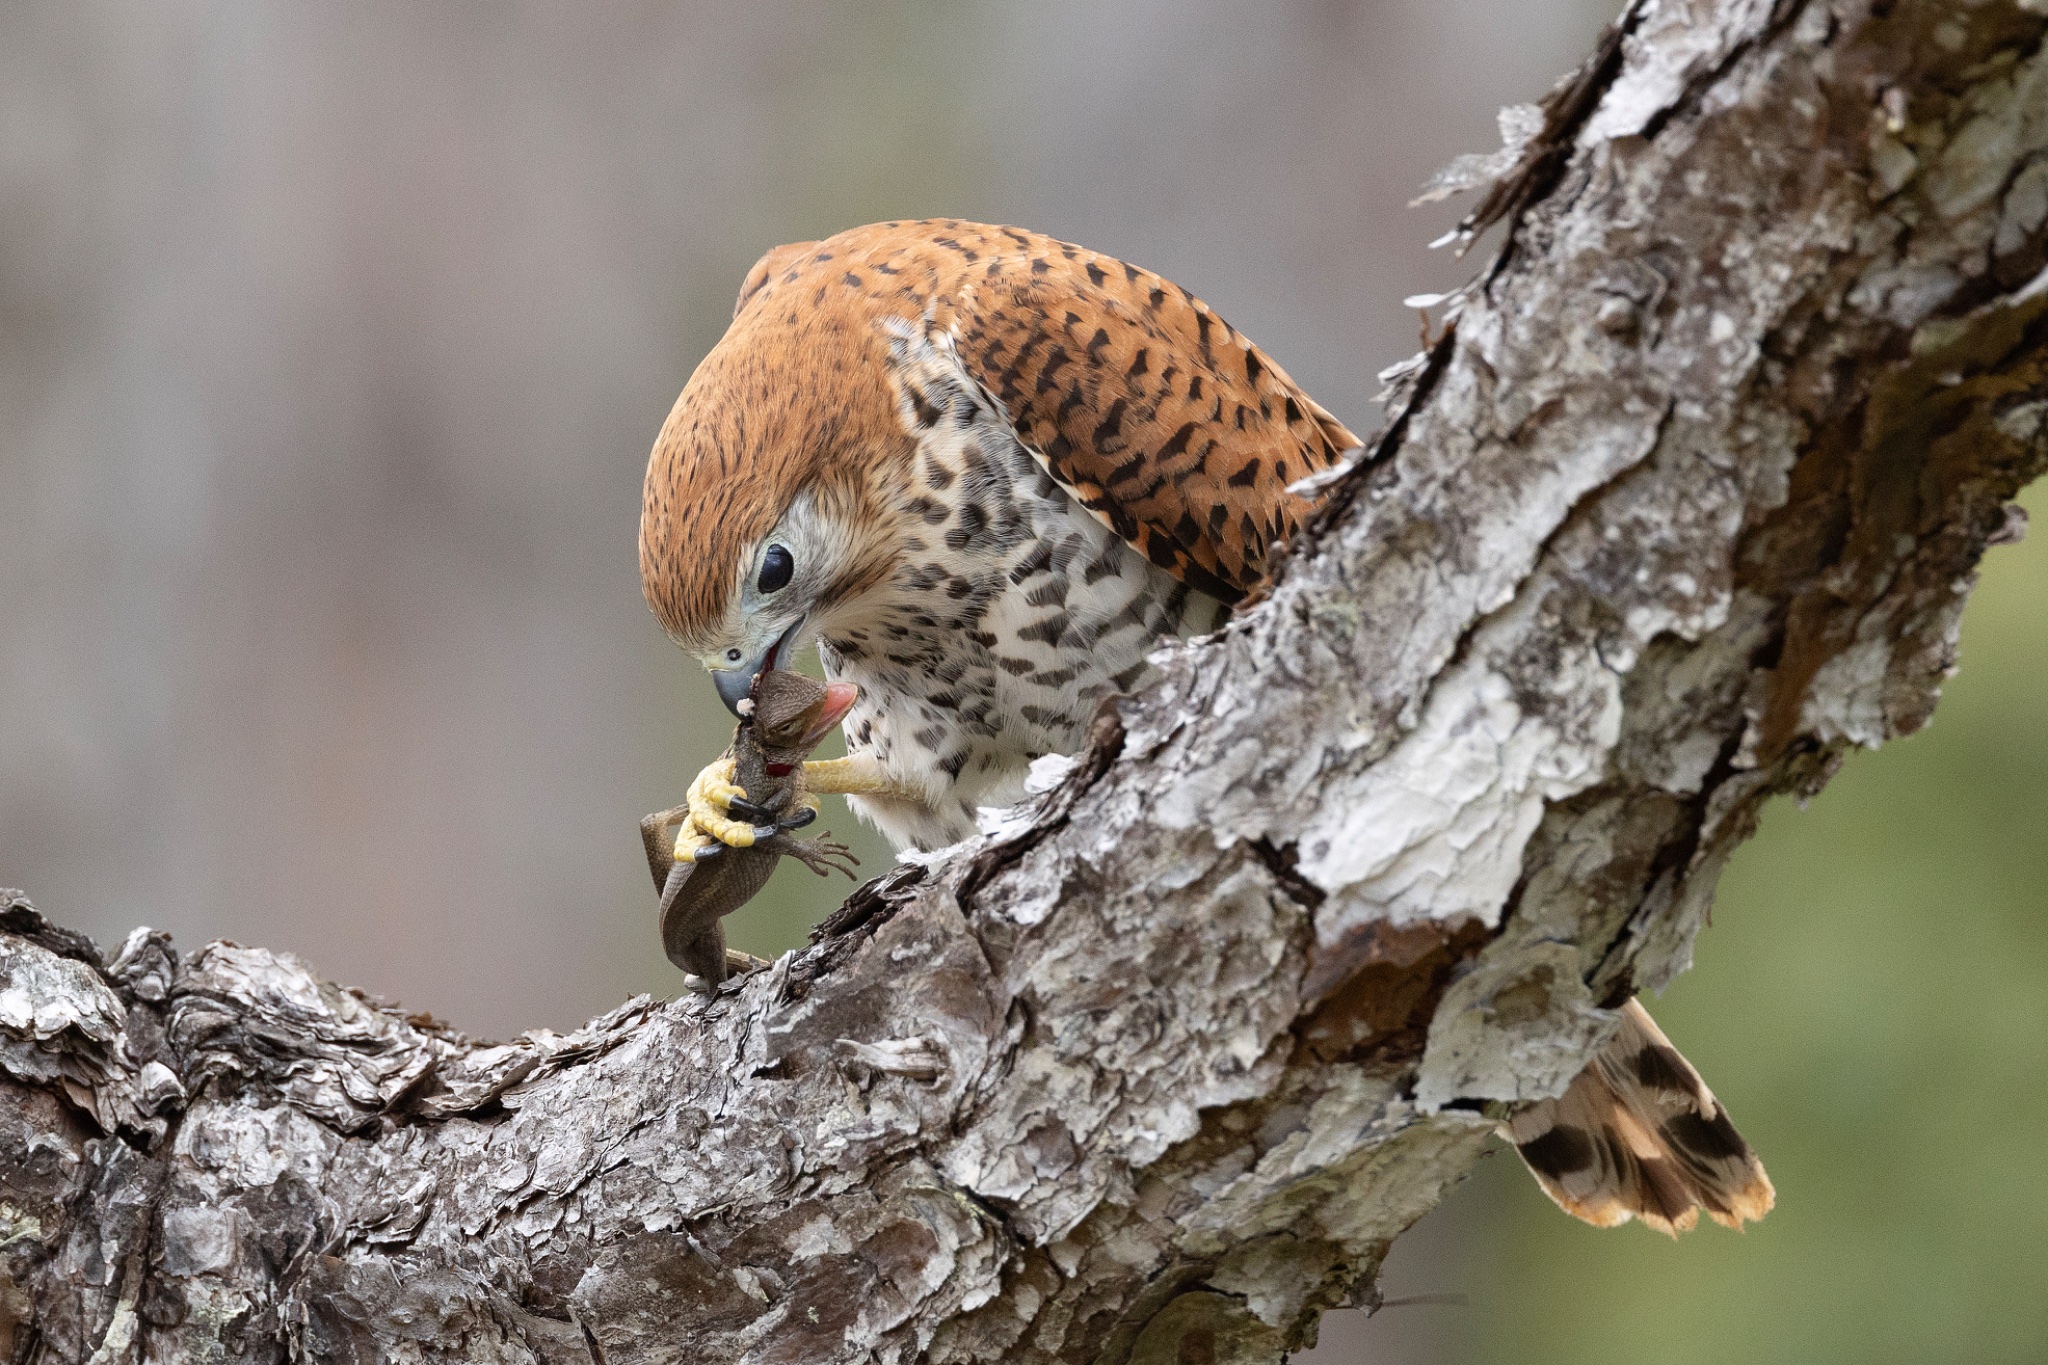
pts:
[1685, 501]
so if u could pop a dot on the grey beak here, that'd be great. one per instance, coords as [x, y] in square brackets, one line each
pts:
[736, 684]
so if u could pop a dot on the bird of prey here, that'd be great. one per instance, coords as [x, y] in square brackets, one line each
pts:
[986, 472]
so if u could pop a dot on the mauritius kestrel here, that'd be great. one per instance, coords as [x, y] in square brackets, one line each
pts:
[985, 472]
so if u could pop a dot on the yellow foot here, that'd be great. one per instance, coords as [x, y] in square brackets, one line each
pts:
[710, 820]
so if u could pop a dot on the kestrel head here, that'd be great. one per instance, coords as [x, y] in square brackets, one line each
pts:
[765, 517]
[769, 512]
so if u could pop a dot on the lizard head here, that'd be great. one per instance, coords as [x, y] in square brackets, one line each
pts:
[794, 713]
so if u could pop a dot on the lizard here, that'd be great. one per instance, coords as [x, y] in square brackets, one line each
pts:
[702, 880]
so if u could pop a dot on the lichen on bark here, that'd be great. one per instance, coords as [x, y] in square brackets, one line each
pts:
[1684, 503]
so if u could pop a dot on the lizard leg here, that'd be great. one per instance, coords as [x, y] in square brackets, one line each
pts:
[709, 821]
[737, 964]
[659, 844]
[822, 855]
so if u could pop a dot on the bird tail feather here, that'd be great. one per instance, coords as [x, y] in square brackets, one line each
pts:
[1639, 1135]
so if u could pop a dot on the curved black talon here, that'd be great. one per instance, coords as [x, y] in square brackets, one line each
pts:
[752, 813]
[803, 815]
[707, 853]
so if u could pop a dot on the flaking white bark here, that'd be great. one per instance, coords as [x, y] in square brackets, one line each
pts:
[1685, 502]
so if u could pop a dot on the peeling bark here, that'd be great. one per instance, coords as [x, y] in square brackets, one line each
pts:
[1685, 503]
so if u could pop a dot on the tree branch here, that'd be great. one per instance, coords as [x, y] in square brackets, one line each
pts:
[1684, 503]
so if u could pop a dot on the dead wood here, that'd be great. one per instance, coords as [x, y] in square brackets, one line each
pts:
[1685, 502]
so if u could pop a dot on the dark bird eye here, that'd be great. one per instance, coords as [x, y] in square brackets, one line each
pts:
[776, 567]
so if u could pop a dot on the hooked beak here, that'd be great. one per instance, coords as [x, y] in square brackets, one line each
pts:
[736, 684]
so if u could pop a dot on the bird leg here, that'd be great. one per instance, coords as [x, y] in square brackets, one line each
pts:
[856, 775]
[708, 817]
[707, 822]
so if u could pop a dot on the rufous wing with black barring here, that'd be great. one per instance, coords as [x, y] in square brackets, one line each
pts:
[1160, 417]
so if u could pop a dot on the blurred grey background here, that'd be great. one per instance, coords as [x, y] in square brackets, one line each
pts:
[332, 342]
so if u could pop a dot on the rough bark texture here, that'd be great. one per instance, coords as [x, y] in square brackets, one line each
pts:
[1685, 503]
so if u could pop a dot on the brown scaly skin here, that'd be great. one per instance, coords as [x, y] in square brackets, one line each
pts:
[792, 714]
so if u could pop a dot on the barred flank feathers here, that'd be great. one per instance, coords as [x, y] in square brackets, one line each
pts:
[1639, 1135]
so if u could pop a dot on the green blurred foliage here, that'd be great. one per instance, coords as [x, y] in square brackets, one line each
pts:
[1872, 1004]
